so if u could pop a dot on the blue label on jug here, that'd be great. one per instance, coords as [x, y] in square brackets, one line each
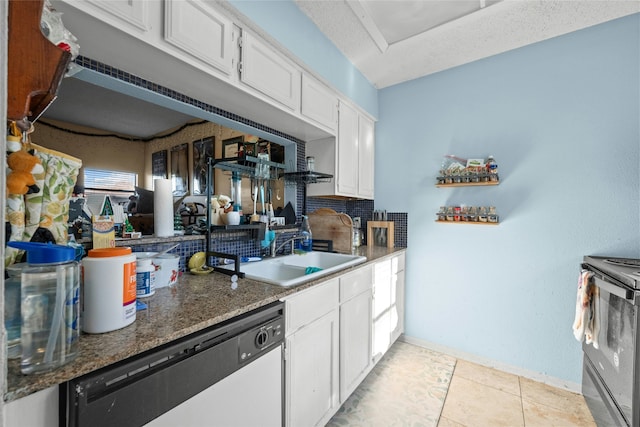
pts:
[145, 285]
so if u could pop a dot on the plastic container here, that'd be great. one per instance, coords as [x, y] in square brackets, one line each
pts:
[109, 289]
[145, 277]
[12, 319]
[50, 294]
[306, 242]
[167, 270]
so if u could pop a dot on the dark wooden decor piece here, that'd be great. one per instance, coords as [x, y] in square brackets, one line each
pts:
[35, 65]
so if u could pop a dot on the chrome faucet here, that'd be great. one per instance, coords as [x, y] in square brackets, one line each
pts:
[291, 240]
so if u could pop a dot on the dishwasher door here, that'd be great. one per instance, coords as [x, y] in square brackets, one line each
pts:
[228, 375]
[230, 403]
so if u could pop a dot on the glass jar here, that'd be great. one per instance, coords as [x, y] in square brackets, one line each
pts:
[49, 306]
[12, 318]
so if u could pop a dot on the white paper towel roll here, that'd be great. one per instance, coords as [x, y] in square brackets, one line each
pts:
[162, 208]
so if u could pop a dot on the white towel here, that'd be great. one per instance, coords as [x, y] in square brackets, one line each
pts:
[587, 321]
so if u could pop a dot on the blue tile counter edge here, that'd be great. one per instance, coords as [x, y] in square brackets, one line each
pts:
[195, 303]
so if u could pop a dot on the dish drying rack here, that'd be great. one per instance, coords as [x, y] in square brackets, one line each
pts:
[249, 167]
[305, 178]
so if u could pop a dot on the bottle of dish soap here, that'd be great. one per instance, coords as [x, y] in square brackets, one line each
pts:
[306, 243]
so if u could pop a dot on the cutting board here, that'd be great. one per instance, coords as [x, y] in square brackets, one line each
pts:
[327, 224]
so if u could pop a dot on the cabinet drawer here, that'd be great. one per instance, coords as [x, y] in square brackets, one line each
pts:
[356, 282]
[397, 263]
[311, 304]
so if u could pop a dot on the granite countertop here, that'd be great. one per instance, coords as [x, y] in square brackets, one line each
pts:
[195, 303]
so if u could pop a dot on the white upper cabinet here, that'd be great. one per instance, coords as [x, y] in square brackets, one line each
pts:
[319, 103]
[349, 157]
[269, 72]
[366, 149]
[200, 49]
[347, 173]
[133, 14]
[197, 29]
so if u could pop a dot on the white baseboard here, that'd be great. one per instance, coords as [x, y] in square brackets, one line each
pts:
[490, 363]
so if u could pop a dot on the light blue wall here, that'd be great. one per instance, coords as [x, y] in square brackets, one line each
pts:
[289, 26]
[562, 119]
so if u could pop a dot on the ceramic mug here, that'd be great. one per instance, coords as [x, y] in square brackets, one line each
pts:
[233, 218]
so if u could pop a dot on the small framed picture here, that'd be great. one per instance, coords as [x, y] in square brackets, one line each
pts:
[202, 150]
[232, 147]
[159, 164]
[180, 169]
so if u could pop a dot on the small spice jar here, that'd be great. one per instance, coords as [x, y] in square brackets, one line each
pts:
[450, 213]
[482, 214]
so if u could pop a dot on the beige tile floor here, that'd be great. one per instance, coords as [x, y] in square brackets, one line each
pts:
[481, 396]
[413, 386]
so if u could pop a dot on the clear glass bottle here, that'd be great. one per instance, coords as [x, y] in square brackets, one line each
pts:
[49, 306]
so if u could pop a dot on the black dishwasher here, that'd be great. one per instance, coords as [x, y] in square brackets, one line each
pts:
[140, 389]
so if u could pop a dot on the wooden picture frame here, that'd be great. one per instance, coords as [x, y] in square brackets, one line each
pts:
[159, 164]
[202, 150]
[180, 169]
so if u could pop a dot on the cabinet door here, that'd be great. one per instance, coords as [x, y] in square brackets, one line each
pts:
[381, 308]
[388, 304]
[319, 103]
[366, 138]
[200, 31]
[355, 342]
[347, 173]
[312, 372]
[267, 71]
[134, 14]
[397, 307]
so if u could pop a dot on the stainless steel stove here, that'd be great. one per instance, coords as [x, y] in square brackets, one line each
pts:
[611, 372]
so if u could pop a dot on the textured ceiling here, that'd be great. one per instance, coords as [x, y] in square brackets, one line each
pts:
[494, 29]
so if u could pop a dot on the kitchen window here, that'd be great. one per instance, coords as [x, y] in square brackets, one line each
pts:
[118, 185]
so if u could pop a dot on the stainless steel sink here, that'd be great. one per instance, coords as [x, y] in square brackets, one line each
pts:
[290, 270]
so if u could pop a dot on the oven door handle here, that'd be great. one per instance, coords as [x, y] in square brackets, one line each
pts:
[614, 289]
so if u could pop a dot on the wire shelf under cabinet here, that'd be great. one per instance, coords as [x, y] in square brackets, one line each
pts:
[250, 167]
[306, 177]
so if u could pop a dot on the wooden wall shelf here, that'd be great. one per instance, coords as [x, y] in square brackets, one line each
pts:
[468, 222]
[469, 184]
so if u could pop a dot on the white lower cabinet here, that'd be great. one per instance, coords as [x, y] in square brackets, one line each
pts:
[335, 334]
[355, 329]
[311, 356]
[388, 304]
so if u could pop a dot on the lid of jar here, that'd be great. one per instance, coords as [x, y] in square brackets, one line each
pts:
[45, 253]
[109, 252]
